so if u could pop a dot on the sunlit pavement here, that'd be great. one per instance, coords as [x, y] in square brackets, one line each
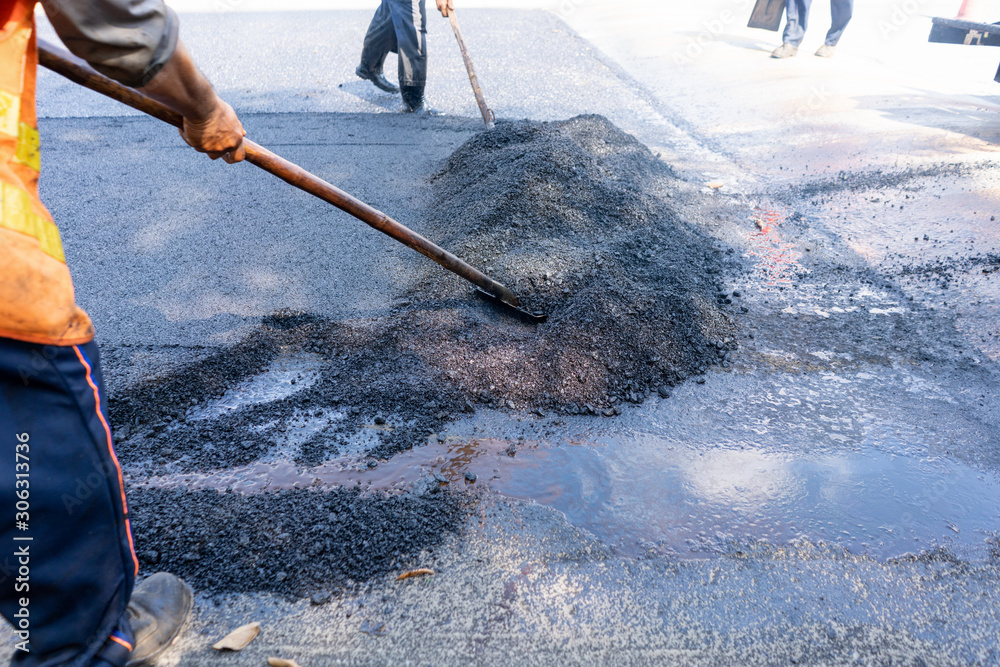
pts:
[831, 498]
[908, 129]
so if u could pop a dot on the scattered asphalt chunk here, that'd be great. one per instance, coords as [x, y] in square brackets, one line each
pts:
[374, 628]
[162, 399]
[945, 271]
[320, 598]
[865, 181]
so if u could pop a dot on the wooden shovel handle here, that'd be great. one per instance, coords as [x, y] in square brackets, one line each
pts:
[80, 72]
[486, 112]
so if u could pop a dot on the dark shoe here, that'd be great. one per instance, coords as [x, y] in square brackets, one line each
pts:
[415, 102]
[158, 610]
[423, 109]
[826, 51]
[785, 51]
[377, 78]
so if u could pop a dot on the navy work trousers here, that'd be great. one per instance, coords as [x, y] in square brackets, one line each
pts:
[399, 26]
[67, 563]
[797, 20]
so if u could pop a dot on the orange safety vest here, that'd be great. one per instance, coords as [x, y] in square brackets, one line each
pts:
[37, 304]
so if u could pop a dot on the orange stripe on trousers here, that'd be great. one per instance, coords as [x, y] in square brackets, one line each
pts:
[122, 642]
[111, 450]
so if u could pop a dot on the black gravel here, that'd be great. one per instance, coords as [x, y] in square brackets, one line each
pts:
[945, 270]
[300, 542]
[364, 375]
[164, 398]
[863, 181]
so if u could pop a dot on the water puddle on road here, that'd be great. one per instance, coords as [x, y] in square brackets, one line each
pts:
[850, 460]
[643, 490]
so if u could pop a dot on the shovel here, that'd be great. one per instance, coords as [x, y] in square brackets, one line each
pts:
[78, 71]
[767, 15]
[487, 113]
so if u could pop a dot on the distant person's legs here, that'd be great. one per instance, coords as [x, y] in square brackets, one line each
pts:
[380, 41]
[840, 12]
[399, 26]
[796, 21]
[409, 17]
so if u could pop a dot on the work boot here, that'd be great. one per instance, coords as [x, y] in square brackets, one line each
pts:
[826, 51]
[377, 78]
[785, 51]
[157, 612]
[415, 102]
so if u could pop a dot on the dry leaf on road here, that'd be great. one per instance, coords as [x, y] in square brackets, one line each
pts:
[281, 662]
[238, 638]
[415, 573]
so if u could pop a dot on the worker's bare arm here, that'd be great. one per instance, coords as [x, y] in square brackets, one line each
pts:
[210, 124]
[135, 42]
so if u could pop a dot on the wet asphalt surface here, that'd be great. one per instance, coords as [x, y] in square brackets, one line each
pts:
[825, 494]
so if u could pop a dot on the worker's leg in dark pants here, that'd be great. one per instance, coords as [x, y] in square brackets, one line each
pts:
[398, 26]
[796, 21]
[409, 17]
[67, 564]
[841, 12]
[380, 40]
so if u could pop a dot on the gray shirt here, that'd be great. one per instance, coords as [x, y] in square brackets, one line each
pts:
[127, 40]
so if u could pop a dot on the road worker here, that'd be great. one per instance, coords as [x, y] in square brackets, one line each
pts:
[68, 591]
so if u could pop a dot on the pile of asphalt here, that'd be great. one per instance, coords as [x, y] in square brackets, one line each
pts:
[575, 216]
[302, 542]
